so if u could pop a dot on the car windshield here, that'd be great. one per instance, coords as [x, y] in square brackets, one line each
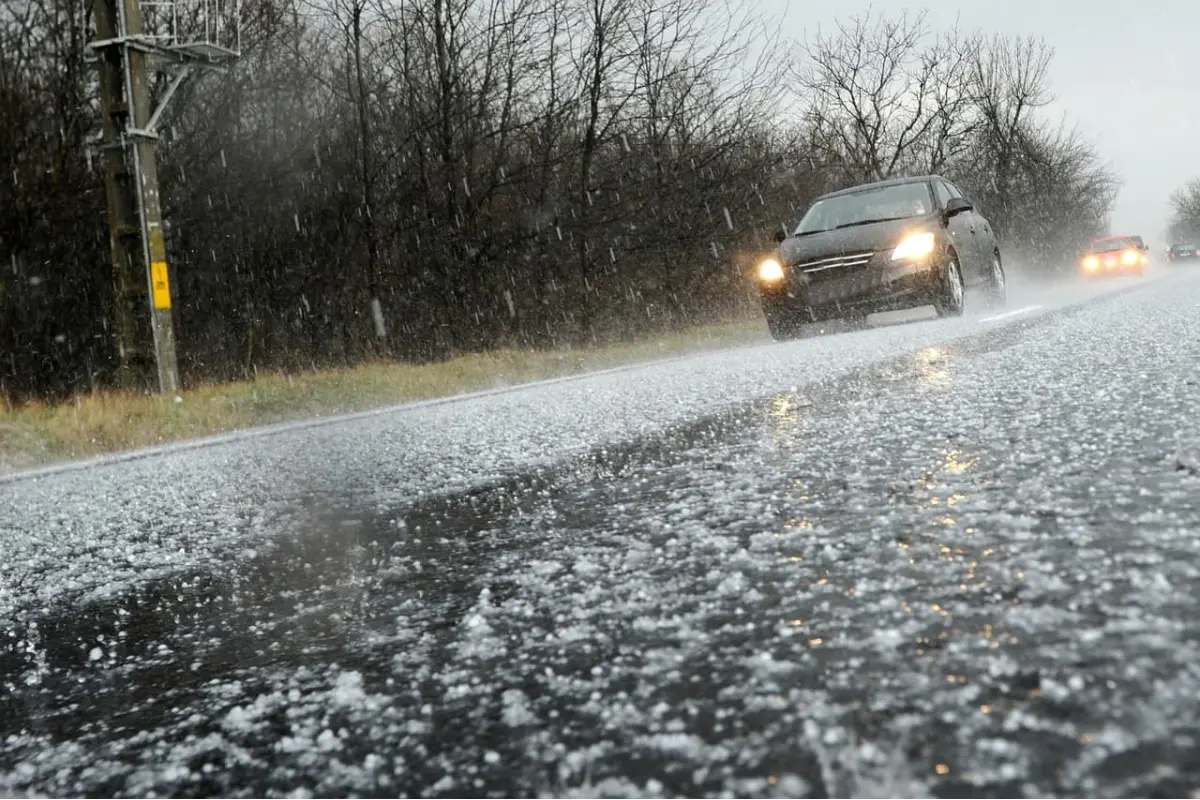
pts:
[1110, 245]
[1184, 246]
[898, 201]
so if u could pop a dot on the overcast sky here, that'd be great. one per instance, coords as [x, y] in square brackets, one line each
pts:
[1127, 74]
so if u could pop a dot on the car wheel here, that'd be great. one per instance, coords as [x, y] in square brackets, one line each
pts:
[996, 290]
[950, 292]
[783, 325]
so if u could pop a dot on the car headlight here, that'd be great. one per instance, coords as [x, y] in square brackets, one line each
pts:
[914, 247]
[1091, 263]
[1129, 257]
[770, 271]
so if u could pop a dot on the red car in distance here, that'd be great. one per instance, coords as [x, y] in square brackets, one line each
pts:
[1114, 255]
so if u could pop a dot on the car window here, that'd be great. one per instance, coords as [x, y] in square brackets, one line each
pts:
[1110, 245]
[943, 193]
[897, 201]
[954, 190]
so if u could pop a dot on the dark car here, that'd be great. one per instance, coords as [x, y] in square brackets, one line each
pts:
[881, 246]
[1114, 255]
[1183, 251]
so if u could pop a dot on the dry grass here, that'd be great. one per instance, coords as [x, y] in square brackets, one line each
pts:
[108, 421]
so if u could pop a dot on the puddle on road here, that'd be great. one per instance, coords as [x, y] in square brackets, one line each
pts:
[302, 599]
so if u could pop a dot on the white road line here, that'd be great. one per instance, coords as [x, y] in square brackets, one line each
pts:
[1014, 313]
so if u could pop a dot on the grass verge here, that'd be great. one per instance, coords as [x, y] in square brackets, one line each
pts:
[108, 421]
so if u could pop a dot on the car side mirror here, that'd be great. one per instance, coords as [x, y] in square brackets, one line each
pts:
[780, 235]
[957, 205]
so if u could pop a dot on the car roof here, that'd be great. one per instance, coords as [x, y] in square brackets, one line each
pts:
[880, 184]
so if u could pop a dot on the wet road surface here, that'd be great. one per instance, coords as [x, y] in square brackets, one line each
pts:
[951, 558]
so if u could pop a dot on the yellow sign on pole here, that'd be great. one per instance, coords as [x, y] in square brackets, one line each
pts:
[162, 285]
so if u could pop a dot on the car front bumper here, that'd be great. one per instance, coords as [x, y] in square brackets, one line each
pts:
[1119, 269]
[873, 288]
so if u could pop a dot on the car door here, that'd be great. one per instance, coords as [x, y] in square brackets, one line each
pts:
[959, 230]
[982, 240]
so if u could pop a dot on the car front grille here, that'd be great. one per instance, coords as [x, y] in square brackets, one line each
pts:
[834, 266]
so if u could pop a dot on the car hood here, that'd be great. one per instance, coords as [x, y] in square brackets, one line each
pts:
[857, 239]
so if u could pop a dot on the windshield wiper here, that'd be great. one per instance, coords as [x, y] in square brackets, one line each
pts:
[850, 225]
[866, 222]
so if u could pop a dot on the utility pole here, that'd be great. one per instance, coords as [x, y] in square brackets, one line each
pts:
[127, 54]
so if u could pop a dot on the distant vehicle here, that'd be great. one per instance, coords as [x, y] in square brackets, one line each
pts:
[888, 245]
[1183, 251]
[1114, 255]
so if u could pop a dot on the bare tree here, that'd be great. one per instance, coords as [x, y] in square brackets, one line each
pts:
[953, 110]
[1010, 86]
[351, 23]
[1185, 211]
[873, 88]
[53, 277]
[1060, 195]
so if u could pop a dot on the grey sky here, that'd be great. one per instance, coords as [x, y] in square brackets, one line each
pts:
[1128, 75]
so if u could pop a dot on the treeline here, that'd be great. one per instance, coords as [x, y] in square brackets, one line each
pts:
[414, 180]
[1184, 226]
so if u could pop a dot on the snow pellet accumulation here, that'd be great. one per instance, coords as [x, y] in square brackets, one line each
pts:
[89, 535]
[788, 570]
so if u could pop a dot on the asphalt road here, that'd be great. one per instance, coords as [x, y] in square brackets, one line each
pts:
[954, 557]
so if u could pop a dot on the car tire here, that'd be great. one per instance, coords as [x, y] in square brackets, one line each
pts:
[950, 293]
[996, 289]
[783, 325]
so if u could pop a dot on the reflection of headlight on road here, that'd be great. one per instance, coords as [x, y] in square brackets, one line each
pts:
[770, 271]
[914, 247]
[1129, 257]
[1091, 263]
